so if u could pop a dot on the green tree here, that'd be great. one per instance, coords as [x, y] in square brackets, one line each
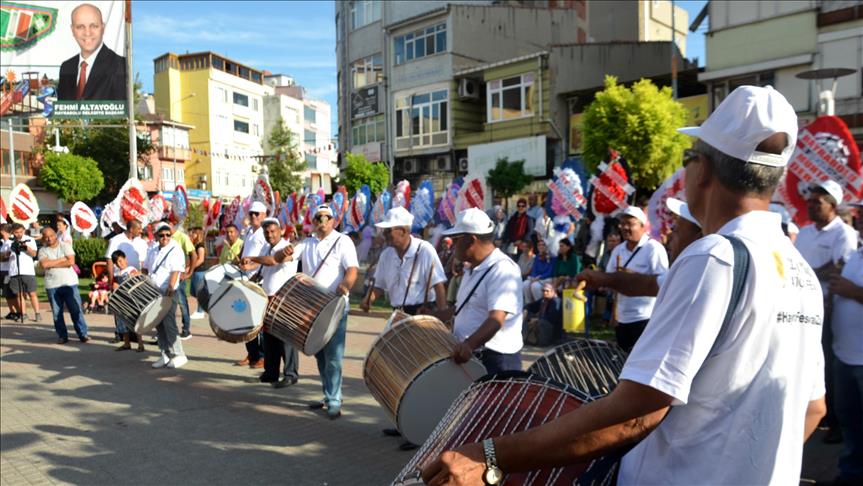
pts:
[641, 123]
[360, 171]
[195, 216]
[286, 165]
[508, 178]
[71, 177]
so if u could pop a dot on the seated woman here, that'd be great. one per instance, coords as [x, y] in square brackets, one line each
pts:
[545, 318]
[541, 272]
[566, 267]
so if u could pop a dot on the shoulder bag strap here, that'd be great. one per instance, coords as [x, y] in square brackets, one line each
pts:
[740, 269]
[163, 259]
[473, 289]
[638, 249]
[321, 264]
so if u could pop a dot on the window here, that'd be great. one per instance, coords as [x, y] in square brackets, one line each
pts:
[256, 131]
[23, 161]
[364, 12]
[218, 63]
[420, 43]
[293, 116]
[241, 126]
[255, 104]
[181, 174]
[510, 98]
[309, 114]
[368, 130]
[222, 95]
[309, 137]
[167, 174]
[367, 71]
[421, 120]
[311, 161]
[145, 172]
[241, 99]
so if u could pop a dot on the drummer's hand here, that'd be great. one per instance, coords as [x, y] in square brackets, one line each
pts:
[169, 292]
[592, 279]
[463, 466]
[462, 353]
[343, 289]
[365, 305]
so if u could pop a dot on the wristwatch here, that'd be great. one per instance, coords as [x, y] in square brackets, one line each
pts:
[492, 475]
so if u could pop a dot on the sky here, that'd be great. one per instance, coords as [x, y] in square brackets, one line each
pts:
[295, 38]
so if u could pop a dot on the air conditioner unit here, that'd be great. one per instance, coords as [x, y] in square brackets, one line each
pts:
[462, 164]
[468, 89]
[202, 178]
[410, 166]
[443, 163]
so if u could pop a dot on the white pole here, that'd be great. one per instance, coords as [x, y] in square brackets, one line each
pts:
[130, 96]
[12, 152]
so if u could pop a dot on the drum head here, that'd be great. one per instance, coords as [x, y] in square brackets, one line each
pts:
[152, 315]
[430, 395]
[324, 327]
[238, 307]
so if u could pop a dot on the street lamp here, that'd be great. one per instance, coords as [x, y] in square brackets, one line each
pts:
[826, 104]
[174, 137]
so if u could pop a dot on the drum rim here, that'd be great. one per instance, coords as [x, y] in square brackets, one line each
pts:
[338, 306]
[160, 300]
[238, 338]
[385, 331]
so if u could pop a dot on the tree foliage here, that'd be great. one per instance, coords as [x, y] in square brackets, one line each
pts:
[71, 177]
[195, 216]
[641, 123]
[87, 252]
[286, 166]
[109, 147]
[360, 171]
[508, 178]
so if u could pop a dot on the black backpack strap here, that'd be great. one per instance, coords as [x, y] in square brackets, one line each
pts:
[740, 269]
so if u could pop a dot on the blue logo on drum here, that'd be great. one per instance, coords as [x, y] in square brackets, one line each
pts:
[239, 306]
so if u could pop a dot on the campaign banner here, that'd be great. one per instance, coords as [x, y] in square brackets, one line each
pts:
[43, 45]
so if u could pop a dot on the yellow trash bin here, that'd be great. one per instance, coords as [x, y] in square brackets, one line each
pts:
[573, 311]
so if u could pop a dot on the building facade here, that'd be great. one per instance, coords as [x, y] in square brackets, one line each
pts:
[223, 100]
[771, 42]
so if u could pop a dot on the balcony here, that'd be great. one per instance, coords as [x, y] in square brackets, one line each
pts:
[172, 153]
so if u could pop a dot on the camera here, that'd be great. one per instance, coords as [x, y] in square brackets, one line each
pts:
[16, 247]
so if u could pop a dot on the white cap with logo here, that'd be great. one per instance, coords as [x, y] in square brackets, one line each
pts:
[471, 221]
[396, 218]
[744, 119]
[635, 212]
[258, 207]
[833, 188]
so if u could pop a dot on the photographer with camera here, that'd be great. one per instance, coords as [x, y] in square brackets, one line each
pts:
[5, 252]
[22, 271]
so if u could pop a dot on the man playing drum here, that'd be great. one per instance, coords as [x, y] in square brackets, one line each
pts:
[731, 401]
[408, 269]
[164, 264]
[488, 310]
[253, 246]
[275, 272]
[330, 258]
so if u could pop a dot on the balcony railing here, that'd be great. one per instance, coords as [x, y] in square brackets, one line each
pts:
[171, 153]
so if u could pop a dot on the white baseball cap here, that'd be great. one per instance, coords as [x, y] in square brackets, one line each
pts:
[396, 218]
[744, 119]
[268, 221]
[160, 226]
[833, 188]
[681, 209]
[258, 207]
[471, 221]
[635, 212]
[325, 210]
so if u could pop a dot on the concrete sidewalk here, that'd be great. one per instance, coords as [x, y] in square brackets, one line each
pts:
[84, 414]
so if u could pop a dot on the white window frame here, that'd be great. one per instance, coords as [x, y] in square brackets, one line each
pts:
[167, 174]
[369, 10]
[406, 105]
[495, 86]
[410, 40]
[181, 174]
[365, 68]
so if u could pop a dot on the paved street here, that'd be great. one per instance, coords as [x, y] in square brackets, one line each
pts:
[83, 414]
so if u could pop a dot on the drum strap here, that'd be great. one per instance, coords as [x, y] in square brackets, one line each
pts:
[163, 259]
[318, 269]
[411, 277]
[473, 290]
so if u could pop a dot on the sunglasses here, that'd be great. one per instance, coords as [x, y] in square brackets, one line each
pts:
[322, 217]
[163, 235]
[522, 205]
[690, 156]
[254, 213]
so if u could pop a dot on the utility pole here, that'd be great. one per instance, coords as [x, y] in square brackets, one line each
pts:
[12, 151]
[130, 96]
[673, 54]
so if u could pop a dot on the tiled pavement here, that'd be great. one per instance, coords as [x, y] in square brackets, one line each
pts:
[83, 414]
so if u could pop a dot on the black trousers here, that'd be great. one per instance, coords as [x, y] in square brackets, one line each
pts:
[628, 333]
[276, 350]
[255, 349]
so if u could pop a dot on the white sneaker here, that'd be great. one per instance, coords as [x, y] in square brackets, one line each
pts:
[178, 362]
[162, 361]
[198, 315]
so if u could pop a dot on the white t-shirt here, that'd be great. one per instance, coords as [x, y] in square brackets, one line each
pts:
[392, 272]
[5, 246]
[651, 259]
[275, 276]
[161, 262]
[834, 243]
[25, 260]
[739, 413]
[500, 290]
[56, 277]
[135, 249]
[847, 320]
[254, 242]
[344, 255]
